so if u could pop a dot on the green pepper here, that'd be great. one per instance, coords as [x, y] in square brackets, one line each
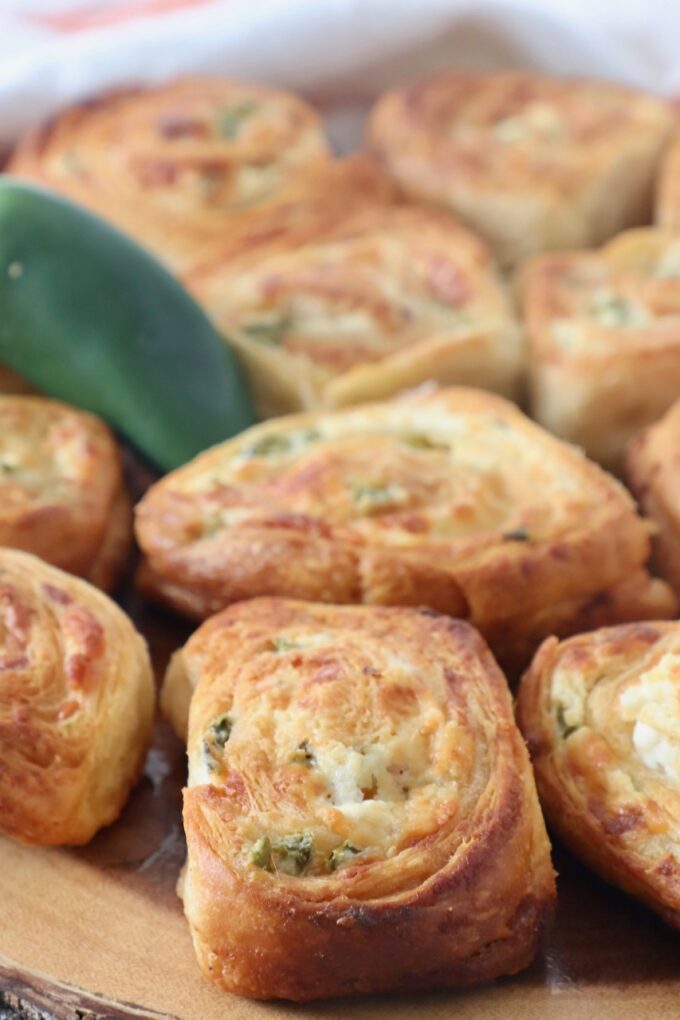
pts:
[518, 534]
[342, 854]
[261, 852]
[293, 853]
[88, 316]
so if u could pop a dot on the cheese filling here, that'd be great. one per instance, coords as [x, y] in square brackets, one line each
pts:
[652, 704]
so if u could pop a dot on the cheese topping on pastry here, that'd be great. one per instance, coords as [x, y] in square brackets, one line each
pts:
[200, 165]
[199, 143]
[536, 122]
[604, 339]
[653, 704]
[400, 474]
[532, 163]
[375, 759]
[601, 713]
[450, 499]
[62, 493]
[353, 768]
[558, 121]
[386, 282]
[587, 292]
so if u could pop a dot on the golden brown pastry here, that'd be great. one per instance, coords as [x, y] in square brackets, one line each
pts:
[601, 714]
[530, 162]
[653, 475]
[668, 191]
[197, 164]
[360, 813]
[62, 492]
[450, 499]
[603, 330]
[388, 299]
[76, 704]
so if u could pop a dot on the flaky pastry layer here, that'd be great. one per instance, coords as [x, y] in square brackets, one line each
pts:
[530, 162]
[603, 331]
[360, 812]
[386, 299]
[76, 704]
[601, 715]
[62, 490]
[197, 165]
[450, 499]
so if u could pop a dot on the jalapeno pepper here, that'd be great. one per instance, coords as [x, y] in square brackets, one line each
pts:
[88, 316]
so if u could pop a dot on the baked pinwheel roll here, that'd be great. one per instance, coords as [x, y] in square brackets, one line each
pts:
[62, 491]
[388, 299]
[601, 714]
[652, 473]
[76, 704]
[668, 194]
[196, 163]
[450, 499]
[603, 330]
[360, 812]
[530, 162]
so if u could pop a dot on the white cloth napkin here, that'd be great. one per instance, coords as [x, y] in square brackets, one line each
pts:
[340, 53]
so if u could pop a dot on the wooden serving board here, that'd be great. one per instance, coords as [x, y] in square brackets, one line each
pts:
[98, 932]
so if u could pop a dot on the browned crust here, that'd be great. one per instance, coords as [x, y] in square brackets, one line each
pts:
[479, 916]
[653, 473]
[599, 390]
[76, 704]
[438, 137]
[574, 801]
[113, 556]
[143, 190]
[516, 593]
[433, 303]
[86, 528]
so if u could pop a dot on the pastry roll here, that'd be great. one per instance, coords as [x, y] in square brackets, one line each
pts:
[360, 813]
[530, 162]
[652, 473]
[76, 704]
[603, 331]
[668, 194]
[601, 714]
[188, 164]
[388, 299]
[62, 492]
[450, 499]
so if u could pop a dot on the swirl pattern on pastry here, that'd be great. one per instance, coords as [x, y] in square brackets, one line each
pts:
[62, 491]
[196, 163]
[530, 162]
[449, 498]
[360, 812]
[76, 704]
[603, 330]
[652, 473]
[601, 714]
[391, 297]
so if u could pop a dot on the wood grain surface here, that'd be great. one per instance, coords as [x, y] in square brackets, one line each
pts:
[98, 932]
